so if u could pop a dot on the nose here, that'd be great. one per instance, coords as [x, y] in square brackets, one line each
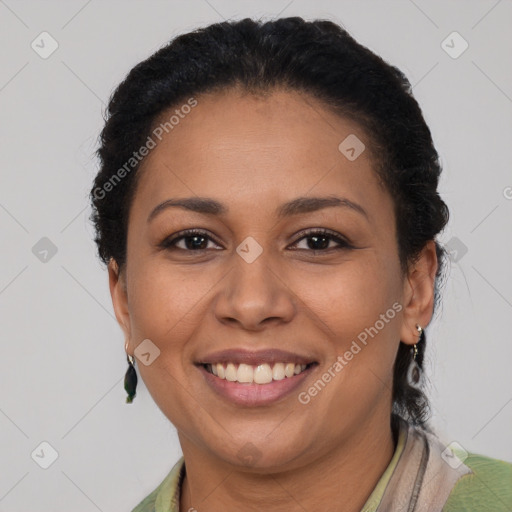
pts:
[254, 295]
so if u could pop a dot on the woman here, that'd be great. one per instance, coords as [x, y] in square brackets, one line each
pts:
[267, 206]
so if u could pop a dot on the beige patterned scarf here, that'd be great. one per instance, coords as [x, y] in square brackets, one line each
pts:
[424, 475]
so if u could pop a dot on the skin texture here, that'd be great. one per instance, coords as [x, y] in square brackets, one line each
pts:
[253, 153]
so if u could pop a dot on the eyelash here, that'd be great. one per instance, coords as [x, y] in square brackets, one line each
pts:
[170, 243]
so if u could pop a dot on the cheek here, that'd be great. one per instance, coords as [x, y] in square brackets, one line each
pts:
[162, 297]
[350, 296]
[358, 305]
[165, 307]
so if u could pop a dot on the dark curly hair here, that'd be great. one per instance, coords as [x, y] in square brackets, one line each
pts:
[316, 57]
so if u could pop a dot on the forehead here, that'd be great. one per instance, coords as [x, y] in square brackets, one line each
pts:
[252, 149]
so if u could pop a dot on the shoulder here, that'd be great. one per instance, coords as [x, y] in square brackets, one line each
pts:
[487, 487]
[165, 498]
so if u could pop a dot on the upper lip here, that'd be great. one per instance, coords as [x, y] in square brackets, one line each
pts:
[240, 356]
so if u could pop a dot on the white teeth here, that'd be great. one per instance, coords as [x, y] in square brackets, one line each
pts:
[231, 372]
[263, 374]
[221, 372]
[260, 374]
[289, 370]
[244, 373]
[278, 371]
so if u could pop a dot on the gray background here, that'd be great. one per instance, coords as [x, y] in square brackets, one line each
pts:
[62, 353]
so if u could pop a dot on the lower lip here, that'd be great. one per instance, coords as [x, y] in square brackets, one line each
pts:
[254, 394]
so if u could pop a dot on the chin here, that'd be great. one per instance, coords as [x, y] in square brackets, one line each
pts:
[264, 456]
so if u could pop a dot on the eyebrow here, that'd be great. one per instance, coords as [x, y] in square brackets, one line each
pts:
[300, 205]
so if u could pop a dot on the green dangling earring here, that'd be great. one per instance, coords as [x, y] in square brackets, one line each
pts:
[130, 379]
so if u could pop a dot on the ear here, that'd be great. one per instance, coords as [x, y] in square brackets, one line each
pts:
[419, 294]
[117, 284]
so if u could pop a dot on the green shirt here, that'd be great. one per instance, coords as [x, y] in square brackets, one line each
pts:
[477, 484]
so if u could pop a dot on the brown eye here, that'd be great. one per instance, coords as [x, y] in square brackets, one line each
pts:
[194, 241]
[197, 241]
[320, 240]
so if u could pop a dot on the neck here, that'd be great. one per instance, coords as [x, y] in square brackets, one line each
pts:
[342, 479]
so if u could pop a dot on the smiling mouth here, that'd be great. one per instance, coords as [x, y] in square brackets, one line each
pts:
[256, 374]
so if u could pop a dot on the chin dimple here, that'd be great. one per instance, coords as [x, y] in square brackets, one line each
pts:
[257, 374]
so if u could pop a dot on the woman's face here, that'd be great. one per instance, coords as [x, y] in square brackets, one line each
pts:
[252, 283]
